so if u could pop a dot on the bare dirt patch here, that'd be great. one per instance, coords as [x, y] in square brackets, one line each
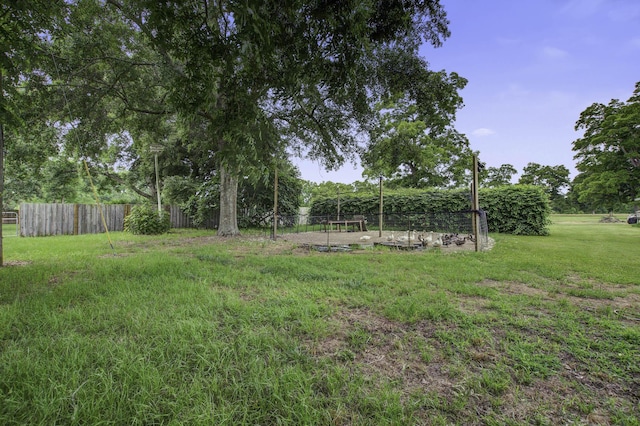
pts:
[366, 239]
[625, 303]
[381, 347]
[304, 242]
[511, 287]
[416, 361]
[17, 263]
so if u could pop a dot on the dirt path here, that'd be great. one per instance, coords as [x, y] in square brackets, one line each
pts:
[370, 238]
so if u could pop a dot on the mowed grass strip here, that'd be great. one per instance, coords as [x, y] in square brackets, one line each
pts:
[187, 328]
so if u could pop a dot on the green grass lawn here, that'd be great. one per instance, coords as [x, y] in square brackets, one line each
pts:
[581, 219]
[9, 230]
[187, 328]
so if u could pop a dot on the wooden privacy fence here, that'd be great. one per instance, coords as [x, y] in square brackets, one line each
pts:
[37, 220]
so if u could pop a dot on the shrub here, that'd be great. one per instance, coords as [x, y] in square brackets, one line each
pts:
[517, 209]
[145, 220]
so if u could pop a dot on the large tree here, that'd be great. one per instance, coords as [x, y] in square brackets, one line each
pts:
[554, 179]
[22, 25]
[248, 78]
[493, 177]
[305, 71]
[608, 153]
[419, 150]
[108, 94]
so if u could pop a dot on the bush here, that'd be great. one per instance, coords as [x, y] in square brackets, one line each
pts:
[517, 209]
[145, 220]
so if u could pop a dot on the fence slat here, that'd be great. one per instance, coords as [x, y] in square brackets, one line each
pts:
[38, 220]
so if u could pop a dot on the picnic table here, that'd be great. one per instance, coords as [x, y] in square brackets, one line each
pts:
[358, 224]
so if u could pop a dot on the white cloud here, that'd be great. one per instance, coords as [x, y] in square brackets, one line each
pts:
[483, 132]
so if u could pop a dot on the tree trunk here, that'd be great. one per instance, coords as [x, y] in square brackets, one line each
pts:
[1, 172]
[1, 180]
[228, 226]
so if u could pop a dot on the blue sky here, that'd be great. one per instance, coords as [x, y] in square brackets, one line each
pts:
[533, 66]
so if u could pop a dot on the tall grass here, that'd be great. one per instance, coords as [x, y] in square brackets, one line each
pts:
[187, 328]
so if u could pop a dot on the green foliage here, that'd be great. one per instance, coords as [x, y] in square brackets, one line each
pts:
[420, 151]
[255, 196]
[517, 209]
[333, 189]
[145, 220]
[552, 178]
[61, 180]
[224, 86]
[403, 201]
[492, 177]
[609, 153]
[178, 189]
[202, 203]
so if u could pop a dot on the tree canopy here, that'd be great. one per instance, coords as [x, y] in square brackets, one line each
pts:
[553, 178]
[230, 88]
[493, 177]
[420, 150]
[22, 25]
[608, 154]
[262, 77]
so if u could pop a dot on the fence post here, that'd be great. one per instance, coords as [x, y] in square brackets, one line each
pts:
[475, 202]
[328, 229]
[275, 203]
[380, 211]
[76, 208]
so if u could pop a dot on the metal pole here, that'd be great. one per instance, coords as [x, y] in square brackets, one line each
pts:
[380, 211]
[338, 218]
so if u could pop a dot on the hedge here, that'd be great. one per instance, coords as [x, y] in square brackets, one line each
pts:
[514, 209]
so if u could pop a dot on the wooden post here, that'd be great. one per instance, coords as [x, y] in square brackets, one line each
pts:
[156, 149]
[275, 203]
[76, 213]
[475, 203]
[1, 172]
[380, 211]
[158, 184]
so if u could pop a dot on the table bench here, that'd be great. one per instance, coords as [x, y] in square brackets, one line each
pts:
[354, 223]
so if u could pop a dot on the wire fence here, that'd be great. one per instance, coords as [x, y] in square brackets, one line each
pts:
[462, 224]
